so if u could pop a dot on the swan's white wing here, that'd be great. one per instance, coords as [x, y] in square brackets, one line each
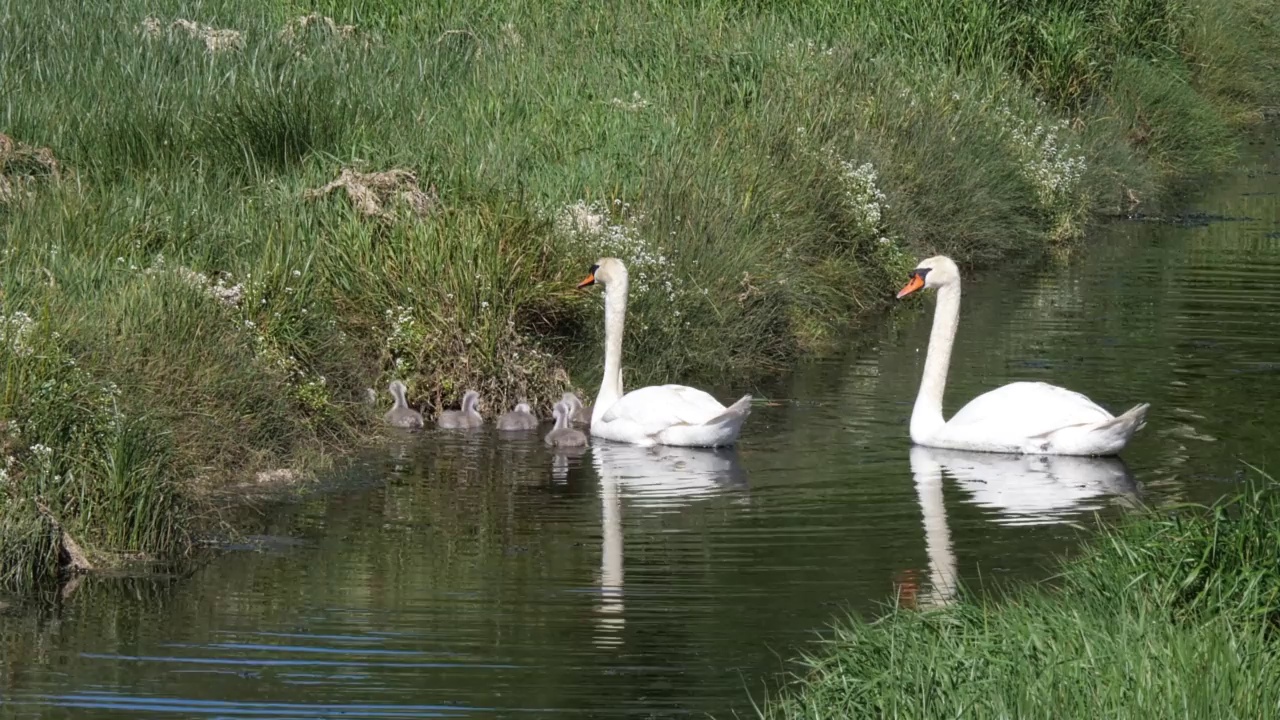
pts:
[1025, 409]
[657, 407]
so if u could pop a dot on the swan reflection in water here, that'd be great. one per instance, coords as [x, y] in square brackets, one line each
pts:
[1021, 489]
[661, 478]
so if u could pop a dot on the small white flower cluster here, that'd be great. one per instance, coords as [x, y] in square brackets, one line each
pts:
[590, 224]
[219, 289]
[863, 196]
[42, 462]
[1054, 165]
[636, 103]
[15, 333]
[809, 48]
[314, 392]
[404, 336]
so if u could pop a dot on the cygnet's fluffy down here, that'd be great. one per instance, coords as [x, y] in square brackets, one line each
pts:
[579, 414]
[468, 418]
[521, 418]
[563, 435]
[401, 415]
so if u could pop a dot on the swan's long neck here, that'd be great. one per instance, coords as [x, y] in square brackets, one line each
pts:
[397, 391]
[615, 313]
[926, 418]
[562, 418]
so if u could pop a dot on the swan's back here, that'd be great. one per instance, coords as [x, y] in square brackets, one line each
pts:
[661, 406]
[672, 415]
[1024, 409]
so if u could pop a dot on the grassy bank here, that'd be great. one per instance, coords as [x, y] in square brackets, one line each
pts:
[1173, 615]
[184, 305]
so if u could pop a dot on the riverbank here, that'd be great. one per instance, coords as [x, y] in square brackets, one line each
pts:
[1170, 615]
[220, 229]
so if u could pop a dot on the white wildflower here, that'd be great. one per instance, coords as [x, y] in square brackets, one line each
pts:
[864, 198]
[649, 267]
[1053, 165]
[15, 333]
[636, 103]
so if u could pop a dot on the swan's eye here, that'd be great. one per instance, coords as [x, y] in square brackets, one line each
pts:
[591, 277]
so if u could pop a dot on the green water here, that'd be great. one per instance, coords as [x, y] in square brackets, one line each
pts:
[478, 576]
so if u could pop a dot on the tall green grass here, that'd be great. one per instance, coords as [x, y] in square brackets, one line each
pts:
[1172, 615]
[768, 170]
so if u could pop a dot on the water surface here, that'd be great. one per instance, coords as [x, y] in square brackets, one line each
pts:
[478, 576]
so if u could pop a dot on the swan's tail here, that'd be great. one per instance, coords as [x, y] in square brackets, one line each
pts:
[735, 414]
[1104, 438]
[1123, 427]
[723, 429]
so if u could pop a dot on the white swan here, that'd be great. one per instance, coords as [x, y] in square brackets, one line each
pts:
[658, 414]
[1021, 417]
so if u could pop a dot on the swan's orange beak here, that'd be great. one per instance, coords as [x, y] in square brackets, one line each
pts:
[591, 280]
[915, 283]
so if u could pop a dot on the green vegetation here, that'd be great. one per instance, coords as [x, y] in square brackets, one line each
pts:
[180, 310]
[1171, 615]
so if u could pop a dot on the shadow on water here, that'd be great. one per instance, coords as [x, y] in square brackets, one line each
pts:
[472, 574]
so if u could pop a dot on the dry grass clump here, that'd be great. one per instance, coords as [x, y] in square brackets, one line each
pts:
[215, 39]
[378, 194]
[21, 166]
[302, 25]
